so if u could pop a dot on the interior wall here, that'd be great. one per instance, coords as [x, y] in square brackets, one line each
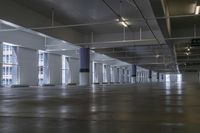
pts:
[28, 66]
[55, 69]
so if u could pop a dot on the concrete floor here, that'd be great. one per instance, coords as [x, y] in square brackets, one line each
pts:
[144, 108]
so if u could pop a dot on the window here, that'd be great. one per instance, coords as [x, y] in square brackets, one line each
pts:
[10, 65]
[43, 75]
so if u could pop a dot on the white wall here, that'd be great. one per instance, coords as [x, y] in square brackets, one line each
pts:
[74, 65]
[55, 69]
[28, 66]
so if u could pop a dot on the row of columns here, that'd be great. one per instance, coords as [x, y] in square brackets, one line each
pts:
[84, 77]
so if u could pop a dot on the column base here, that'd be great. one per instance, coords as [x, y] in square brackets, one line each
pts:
[84, 78]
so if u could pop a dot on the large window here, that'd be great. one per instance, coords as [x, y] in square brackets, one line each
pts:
[9, 64]
[43, 75]
[66, 73]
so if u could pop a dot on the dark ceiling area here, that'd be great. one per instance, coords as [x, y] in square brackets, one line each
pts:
[185, 26]
[157, 37]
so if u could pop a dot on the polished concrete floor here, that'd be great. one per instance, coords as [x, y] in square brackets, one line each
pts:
[141, 108]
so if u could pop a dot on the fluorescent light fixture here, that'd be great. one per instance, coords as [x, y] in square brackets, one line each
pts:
[197, 10]
[124, 24]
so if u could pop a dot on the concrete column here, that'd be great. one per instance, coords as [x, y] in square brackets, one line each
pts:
[134, 74]
[121, 75]
[27, 66]
[55, 72]
[84, 66]
[150, 75]
[158, 76]
[108, 73]
[1, 62]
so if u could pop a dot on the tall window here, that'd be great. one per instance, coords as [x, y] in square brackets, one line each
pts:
[43, 75]
[9, 64]
[66, 73]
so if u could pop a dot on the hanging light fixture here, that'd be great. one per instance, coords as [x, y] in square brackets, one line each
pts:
[123, 22]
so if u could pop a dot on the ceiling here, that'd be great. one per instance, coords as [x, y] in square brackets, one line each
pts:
[185, 26]
[142, 43]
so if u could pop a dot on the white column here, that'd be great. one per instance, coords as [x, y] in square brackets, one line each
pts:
[84, 76]
[28, 66]
[108, 74]
[55, 71]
